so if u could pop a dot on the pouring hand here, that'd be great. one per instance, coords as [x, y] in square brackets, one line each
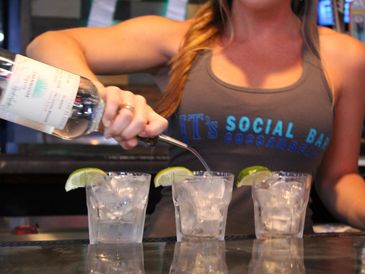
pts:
[127, 116]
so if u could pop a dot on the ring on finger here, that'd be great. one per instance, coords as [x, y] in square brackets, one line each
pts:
[130, 107]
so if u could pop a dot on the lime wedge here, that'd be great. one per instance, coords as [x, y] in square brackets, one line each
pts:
[166, 176]
[85, 176]
[248, 175]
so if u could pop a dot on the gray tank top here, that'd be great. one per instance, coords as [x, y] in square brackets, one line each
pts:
[235, 127]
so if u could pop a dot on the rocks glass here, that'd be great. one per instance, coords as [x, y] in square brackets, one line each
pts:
[117, 208]
[201, 202]
[280, 203]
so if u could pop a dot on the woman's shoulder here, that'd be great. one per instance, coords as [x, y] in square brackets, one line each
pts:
[160, 29]
[152, 21]
[341, 48]
[343, 57]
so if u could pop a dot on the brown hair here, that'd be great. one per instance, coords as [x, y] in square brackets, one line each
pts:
[208, 24]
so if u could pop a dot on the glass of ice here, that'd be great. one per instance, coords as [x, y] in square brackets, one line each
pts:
[201, 202]
[117, 207]
[280, 203]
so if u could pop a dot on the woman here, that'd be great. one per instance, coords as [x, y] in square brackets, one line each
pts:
[251, 83]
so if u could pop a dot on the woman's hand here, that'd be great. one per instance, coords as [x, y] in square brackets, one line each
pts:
[127, 116]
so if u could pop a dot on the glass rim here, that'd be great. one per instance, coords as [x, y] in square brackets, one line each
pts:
[202, 173]
[126, 173]
[291, 174]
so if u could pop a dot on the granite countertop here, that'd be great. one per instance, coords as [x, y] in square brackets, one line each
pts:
[329, 253]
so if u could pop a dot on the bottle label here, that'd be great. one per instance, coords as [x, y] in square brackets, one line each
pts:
[40, 93]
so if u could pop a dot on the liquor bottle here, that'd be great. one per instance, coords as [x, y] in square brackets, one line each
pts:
[49, 99]
[46, 98]
[54, 101]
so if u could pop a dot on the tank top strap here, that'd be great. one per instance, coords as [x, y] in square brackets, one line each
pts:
[310, 58]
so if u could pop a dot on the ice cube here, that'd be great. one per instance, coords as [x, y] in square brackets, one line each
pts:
[210, 187]
[279, 223]
[102, 194]
[185, 193]
[209, 212]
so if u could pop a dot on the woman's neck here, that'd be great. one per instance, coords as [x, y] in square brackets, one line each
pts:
[263, 21]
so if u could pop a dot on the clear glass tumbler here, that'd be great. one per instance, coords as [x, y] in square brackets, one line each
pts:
[201, 203]
[280, 203]
[117, 208]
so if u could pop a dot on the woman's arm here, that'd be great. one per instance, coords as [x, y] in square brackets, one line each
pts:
[133, 45]
[137, 44]
[339, 184]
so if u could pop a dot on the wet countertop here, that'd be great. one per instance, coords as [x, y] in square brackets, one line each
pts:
[318, 253]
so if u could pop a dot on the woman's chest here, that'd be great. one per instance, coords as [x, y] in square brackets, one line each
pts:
[257, 68]
[297, 117]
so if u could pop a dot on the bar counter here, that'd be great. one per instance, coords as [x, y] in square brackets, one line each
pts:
[318, 253]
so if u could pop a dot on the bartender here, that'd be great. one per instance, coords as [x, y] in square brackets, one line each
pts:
[245, 83]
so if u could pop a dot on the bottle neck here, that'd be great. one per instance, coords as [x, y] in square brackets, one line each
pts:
[6, 66]
[96, 125]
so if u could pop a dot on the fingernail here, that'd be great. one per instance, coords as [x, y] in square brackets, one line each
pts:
[107, 135]
[106, 123]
